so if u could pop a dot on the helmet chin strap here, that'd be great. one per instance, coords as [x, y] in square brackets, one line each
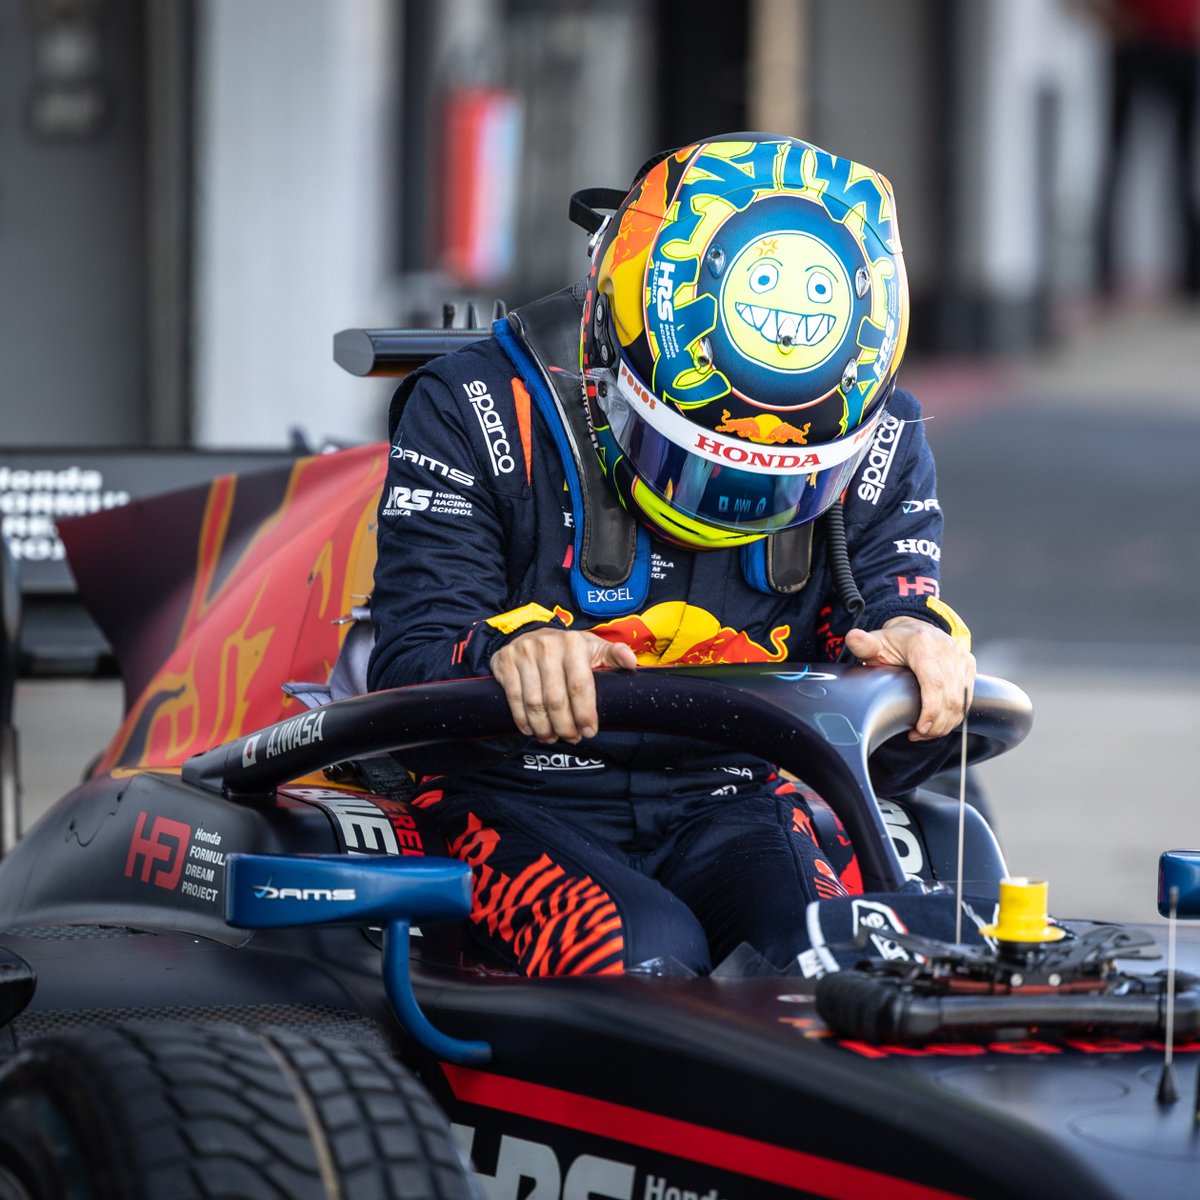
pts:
[586, 201]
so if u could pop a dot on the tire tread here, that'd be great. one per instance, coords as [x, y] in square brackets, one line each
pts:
[207, 1112]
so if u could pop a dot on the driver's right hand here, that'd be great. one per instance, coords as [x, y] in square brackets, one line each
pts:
[547, 677]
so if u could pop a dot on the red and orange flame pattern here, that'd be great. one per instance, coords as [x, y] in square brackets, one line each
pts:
[264, 608]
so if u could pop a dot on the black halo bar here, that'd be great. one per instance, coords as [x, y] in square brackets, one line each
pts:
[821, 726]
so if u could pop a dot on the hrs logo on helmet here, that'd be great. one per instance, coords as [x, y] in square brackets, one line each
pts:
[663, 286]
[774, 282]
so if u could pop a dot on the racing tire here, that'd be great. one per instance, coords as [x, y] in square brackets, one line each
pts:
[195, 1112]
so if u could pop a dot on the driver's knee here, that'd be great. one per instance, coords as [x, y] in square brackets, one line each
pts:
[665, 937]
[591, 932]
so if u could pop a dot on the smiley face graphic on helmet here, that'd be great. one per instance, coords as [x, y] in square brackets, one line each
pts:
[786, 301]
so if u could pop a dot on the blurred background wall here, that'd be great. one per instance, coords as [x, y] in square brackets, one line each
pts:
[198, 193]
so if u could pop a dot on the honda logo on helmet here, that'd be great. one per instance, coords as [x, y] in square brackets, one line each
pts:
[755, 456]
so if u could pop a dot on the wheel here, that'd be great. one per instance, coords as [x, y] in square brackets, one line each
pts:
[185, 1112]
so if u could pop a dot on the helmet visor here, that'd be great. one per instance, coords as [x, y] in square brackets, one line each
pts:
[723, 481]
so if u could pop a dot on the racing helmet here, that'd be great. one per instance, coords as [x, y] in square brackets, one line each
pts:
[746, 313]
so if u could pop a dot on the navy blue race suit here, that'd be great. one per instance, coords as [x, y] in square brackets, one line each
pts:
[624, 848]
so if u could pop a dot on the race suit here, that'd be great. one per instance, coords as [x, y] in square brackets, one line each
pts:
[625, 848]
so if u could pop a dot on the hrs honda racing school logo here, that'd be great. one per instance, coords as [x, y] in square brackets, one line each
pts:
[494, 434]
[403, 501]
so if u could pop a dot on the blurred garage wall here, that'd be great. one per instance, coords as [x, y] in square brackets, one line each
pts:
[296, 129]
[73, 250]
[989, 119]
[266, 172]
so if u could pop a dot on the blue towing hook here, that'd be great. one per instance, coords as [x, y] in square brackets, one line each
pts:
[276, 891]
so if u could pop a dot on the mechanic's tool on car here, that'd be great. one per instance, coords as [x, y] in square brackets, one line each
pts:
[271, 891]
[1039, 975]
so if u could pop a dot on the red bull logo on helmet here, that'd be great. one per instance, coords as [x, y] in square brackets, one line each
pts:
[764, 428]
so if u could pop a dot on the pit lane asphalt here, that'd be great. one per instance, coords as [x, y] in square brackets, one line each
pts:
[1069, 483]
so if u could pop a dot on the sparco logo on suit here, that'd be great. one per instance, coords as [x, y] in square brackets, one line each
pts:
[494, 435]
[874, 475]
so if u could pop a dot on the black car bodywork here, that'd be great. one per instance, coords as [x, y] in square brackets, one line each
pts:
[115, 915]
[639, 1086]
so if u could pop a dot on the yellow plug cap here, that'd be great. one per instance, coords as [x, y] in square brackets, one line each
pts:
[1023, 915]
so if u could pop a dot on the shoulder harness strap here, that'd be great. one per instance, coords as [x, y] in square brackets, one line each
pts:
[781, 563]
[610, 569]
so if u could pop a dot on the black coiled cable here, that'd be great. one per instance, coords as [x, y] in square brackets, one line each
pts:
[843, 576]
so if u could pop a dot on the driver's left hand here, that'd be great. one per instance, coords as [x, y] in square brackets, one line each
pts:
[944, 667]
